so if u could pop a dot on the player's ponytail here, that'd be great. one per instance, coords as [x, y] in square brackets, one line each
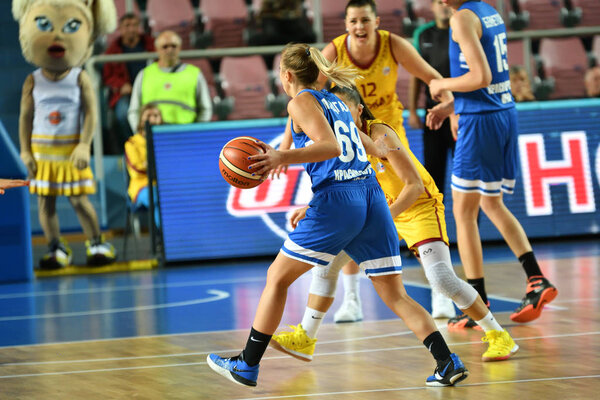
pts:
[306, 62]
[353, 95]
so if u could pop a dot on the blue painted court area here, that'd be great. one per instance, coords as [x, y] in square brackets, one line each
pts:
[184, 300]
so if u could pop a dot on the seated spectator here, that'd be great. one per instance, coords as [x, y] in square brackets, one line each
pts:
[592, 82]
[137, 160]
[119, 76]
[280, 22]
[520, 84]
[178, 89]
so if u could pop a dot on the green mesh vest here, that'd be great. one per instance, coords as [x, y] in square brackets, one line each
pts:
[175, 93]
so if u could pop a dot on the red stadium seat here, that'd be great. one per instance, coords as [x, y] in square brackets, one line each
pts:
[565, 60]
[207, 71]
[392, 13]
[596, 48]
[333, 13]
[543, 14]
[422, 9]
[226, 21]
[246, 80]
[515, 53]
[590, 12]
[276, 80]
[175, 15]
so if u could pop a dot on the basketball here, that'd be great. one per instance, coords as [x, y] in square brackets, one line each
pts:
[233, 162]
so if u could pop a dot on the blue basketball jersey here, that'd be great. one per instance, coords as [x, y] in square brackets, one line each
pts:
[352, 163]
[497, 95]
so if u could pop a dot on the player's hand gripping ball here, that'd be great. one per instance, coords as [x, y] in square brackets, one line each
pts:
[233, 162]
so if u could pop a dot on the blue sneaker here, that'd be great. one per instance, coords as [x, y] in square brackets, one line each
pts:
[234, 368]
[448, 373]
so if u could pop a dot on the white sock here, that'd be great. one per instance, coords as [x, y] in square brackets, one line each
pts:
[489, 323]
[312, 321]
[351, 285]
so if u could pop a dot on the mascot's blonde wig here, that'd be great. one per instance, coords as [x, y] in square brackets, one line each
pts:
[101, 15]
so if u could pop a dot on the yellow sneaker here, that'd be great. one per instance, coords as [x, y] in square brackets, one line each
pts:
[99, 252]
[295, 343]
[501, 346]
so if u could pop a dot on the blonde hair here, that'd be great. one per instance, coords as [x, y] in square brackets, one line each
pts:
[306, 62]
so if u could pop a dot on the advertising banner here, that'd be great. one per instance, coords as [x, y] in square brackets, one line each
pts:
[203, 217]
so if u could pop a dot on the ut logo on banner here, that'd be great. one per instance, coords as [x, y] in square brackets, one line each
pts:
[573, 170]
[280, 195]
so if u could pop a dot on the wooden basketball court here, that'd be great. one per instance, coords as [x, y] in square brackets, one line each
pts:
[374, 359]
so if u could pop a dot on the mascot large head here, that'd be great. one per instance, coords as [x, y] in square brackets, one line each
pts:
[59, 34]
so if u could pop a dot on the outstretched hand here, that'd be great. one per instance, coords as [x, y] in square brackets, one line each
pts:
[436, 115]
[80, 157]
[265, 162]
[297, 215]
[11, 183]
[282, 169]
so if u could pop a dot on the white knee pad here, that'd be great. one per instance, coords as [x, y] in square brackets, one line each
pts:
[324, 279]
[435, 257]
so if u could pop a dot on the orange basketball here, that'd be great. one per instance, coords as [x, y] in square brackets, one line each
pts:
[233, 162]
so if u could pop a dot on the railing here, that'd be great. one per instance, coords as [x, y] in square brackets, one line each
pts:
[92, 63]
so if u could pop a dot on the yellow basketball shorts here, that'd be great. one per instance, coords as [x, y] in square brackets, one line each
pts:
[423, 222]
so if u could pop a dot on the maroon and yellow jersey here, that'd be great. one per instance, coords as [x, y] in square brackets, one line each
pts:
[378, 82]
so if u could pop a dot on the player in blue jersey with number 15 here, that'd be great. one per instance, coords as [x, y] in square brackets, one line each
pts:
[348, 212]
[485, 159]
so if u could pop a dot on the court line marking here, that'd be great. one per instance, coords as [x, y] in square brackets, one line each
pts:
[577, 300]
[462, 385]
[361, 338]
[131, 287]
[149, 307]
[390, 320]
[335, 353]
[216, 296]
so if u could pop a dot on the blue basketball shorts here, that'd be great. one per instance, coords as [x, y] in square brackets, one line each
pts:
[351, 217]
[486, 154]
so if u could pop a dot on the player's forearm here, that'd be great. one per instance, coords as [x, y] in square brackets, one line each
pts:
[409, 194]
[319, 151]
[466, 83]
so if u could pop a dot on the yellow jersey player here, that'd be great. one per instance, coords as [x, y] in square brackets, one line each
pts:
[377, 55]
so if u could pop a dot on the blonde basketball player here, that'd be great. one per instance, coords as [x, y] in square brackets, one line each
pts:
[416, 206]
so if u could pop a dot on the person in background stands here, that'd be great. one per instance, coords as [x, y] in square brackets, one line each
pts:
[431, 41]
[592, 82]
[280, 22]
[177, 88]
[119, 76]
[520, 85]
[137, 160]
